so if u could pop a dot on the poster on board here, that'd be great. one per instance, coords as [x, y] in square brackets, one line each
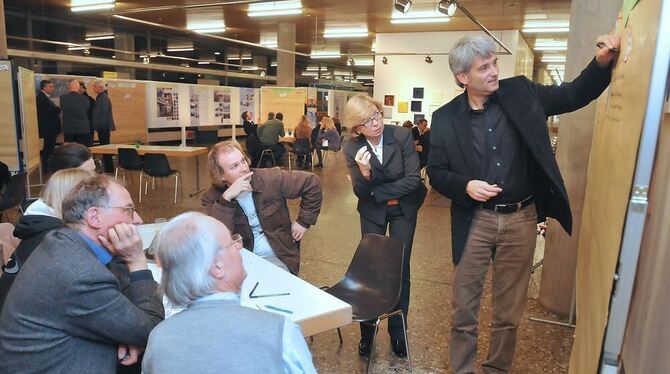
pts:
[167, 103]
[222, 105]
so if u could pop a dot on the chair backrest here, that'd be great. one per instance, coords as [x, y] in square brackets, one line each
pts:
[157, 165]
[129, 159]
[341, 141]
[14, 193]
[377, 267]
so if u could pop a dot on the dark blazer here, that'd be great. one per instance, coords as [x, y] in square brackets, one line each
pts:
[102, 118]
[397, 177]
[48, 119]
[249, 127]
[75, 113]
[451, 163]
[65, 313]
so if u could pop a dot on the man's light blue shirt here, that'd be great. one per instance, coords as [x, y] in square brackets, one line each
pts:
[262, 246]
[99, 251]
[296, 357]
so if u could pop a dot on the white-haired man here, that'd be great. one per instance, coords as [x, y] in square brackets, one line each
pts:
[203, 271]
[491, 155]
[102, 120]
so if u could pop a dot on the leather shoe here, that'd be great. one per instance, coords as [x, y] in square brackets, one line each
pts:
[364, 347]
[398, 347]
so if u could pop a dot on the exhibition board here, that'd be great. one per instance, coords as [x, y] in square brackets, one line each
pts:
[128, 98]
[616, 138]
[290, 101]
[9, 150]
[29, 132]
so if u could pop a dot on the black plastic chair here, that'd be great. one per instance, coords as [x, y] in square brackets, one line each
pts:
[302, 148]
[267, 151]
[128, 159]
[156, 165]
[372, 283]
[15, 192]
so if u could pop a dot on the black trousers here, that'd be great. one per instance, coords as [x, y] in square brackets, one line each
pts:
[401, 228]
[85, 139]
[107, 161]
[48, 150]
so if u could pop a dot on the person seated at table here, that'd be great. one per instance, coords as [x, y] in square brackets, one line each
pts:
[203, 272]
[66, 311]
[36, 223]
[303, 144]
[328, 139]
[71, 155]
[252, 203]
[269, 134]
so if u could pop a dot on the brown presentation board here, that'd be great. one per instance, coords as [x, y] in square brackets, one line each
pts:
[289, 101]
[8, 142]
[616, 139]
[30, 134]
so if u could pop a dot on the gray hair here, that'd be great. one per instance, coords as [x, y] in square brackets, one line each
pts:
[99, 82]
[185, 248]
[462, 55]
[86, 194]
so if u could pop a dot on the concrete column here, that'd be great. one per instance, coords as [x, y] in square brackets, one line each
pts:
[285, 60]
[3, 32]
[125, 42]
[588, 20]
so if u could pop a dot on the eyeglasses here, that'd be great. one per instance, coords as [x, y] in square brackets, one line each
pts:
[130, 209]
[375, 117]
[236, 242]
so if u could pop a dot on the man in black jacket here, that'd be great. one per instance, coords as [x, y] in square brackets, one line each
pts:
[491, 155]
[76, 123]
[48, 120]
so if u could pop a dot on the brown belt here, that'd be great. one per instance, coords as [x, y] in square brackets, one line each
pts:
[392, 202]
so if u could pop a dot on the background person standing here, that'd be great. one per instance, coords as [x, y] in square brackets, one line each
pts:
[76, 125]
[103, 120]
[48, 120]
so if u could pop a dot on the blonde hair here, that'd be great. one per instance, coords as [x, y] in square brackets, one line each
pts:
[59, 185]
[215, 170]
[327, 123]
[303, 130]
[359, 109]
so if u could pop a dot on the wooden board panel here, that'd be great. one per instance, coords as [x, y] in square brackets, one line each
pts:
[128, 108]
[289, 101]
[31, 137]
[8, 142]
[648, 325]
[614, 152]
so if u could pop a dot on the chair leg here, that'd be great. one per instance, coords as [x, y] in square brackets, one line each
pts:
[140, 193]
[116, 173]
[176, 180]
[311, 160]
[289, 161]
[404, 329]
[372, 347]
[339, 335]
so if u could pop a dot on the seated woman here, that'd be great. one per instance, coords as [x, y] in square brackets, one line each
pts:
[33, 226]
[303, 144]
[328, 139]
[67, 156]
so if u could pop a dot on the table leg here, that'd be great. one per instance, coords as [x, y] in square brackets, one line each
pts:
[197, 177]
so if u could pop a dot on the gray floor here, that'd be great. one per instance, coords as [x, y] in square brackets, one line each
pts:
[326, 252]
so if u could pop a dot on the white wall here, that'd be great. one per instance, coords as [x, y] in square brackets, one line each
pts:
[403, 73]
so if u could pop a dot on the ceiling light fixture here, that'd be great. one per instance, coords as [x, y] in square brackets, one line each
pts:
[428, 59]
[180, 49]
[325, 54]
[351, 61]
[78, 47]
[356, 32]
[447, 7]
[539, 30]
[210, 30]
[275, 8]
[402, 6]
[99, 37]
[385, 60]
[91, 5]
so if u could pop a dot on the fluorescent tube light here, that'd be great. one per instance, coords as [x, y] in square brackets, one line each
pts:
[180, 49]
[275, 8]
[326, 54]
[91, 5]
[356, 32]
[425, 16]
[539, 30]
[99, 37]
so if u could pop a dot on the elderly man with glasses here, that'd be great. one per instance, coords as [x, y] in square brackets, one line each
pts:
[70, 310]
[203, 271]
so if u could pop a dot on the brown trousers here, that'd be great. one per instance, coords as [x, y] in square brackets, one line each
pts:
[508, 242]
